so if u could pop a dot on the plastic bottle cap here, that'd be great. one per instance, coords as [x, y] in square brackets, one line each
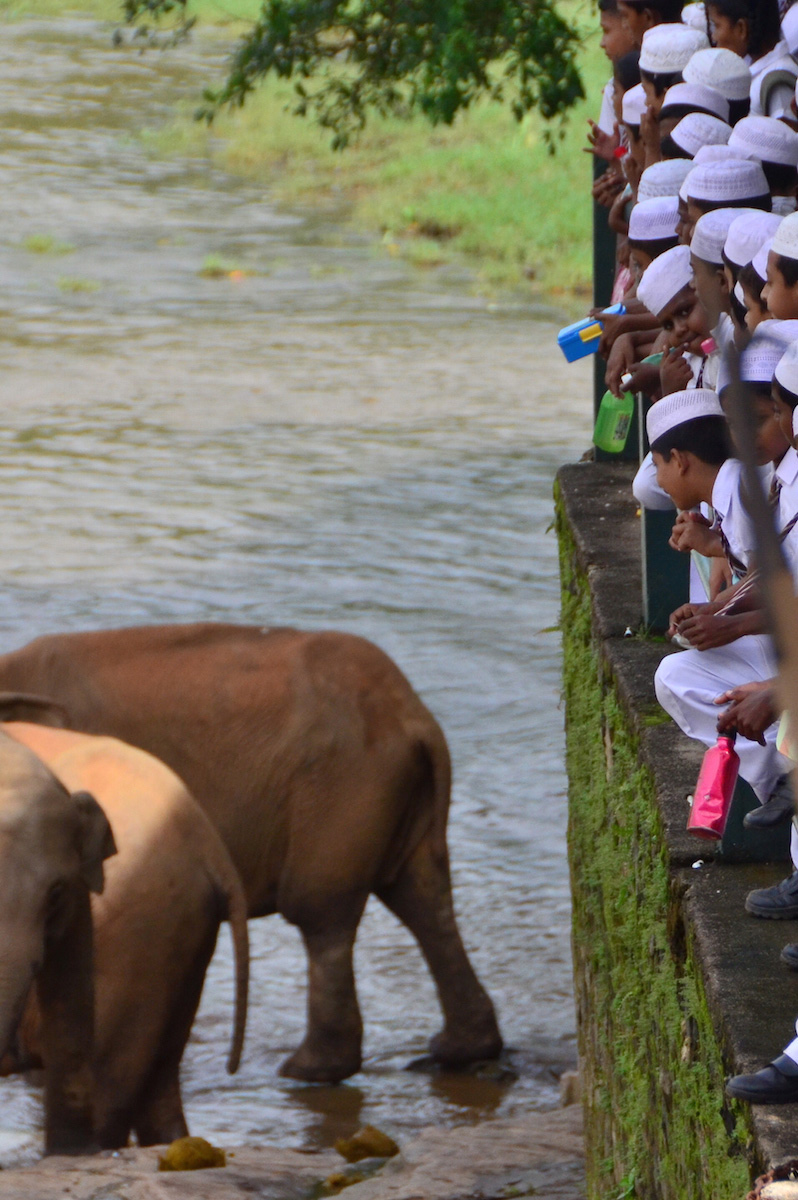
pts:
[626, 379]
[708, 346]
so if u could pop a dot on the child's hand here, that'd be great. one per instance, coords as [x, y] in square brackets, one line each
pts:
[683, 613]
[607, 187]
[691, 531]
[674, 372]
[752, 708]
[602, 145]
[720, 577]
[706, 631]
[620, 362]
[645, 379]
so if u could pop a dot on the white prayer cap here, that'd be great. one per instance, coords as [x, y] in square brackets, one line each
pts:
[765, 139]
[762, 355]
[695, 15]
[684, 187]
[665, 278]
[785, 240]
[721, 69]
[727, 182]
[695, 96]
[633, 105]
[789, 29]
[654, 219]
[787, 370]
[784, 205]
[747, 233]
[709, 235]
[663, 178]
[667, 49]
[699, 129]
[678, 408]
[711, 153]
[760, 260]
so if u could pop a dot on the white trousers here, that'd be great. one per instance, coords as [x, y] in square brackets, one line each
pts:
[687, 685]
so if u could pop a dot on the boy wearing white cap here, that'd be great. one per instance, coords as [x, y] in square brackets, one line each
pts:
[694, 467]
[727, 73]
[738, 183]
[775, 146]
[665, 52]
[652, 231]
[780, 292]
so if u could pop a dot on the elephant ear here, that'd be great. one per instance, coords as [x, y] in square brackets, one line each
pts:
[39, 710]
[96, 840]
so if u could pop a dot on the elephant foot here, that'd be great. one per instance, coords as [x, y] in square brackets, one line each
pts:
[458, 1050]
[315, 1067]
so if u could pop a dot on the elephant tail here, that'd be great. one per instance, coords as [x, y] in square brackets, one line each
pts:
[441, 763]
[228, 884]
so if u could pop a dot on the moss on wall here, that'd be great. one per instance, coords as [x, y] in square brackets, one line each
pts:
[657, 1125]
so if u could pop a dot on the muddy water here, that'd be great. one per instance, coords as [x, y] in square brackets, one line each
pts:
[331, 441]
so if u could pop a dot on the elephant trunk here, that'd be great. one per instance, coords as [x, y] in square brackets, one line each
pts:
[18, 965]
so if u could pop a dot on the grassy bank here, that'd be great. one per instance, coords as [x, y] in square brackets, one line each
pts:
[657, 1123]
[485, 191]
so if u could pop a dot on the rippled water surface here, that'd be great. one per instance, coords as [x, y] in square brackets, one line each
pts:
[332, 441]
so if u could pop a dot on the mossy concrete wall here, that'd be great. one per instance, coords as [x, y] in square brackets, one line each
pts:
[676, 987]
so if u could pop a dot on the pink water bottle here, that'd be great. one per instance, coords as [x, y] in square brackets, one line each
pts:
[714, 788]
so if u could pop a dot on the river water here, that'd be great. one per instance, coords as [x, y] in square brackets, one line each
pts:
[334, 440]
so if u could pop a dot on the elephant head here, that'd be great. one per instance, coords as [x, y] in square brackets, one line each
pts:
[52, 848]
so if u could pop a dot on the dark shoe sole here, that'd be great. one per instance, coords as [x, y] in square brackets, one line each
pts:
[789, 959]
[771, 913]
[754, 1097]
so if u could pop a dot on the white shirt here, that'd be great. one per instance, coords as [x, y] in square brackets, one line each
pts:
[730, 511]
[780, 99]
[606, 121]
[787, 474]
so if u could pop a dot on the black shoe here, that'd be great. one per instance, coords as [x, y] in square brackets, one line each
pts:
[789, 956]
[777, 809]
[778, 903]
[771, 1085]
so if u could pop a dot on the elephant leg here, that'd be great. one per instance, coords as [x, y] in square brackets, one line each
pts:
[159, 1116]
[331, 1050]
[421, 897]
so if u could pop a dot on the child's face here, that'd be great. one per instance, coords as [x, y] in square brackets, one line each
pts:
[755, 314]
[653, 101]
[727, 34]
[781, 300]
[783, 413]
[638, 261]
[684, 226]
[685, 321]
[693, 215]
[771, 444]
[711, 289]
[637, 147]
[616, 40]
[675, 476]
[636, 21]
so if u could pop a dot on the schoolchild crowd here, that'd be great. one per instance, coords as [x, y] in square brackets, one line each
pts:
[699, 131]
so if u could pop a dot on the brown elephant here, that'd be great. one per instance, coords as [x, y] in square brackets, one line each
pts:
[52, 849]
[155, 928]
[325, 775]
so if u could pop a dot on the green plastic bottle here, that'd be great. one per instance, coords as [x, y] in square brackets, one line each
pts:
[613, 422]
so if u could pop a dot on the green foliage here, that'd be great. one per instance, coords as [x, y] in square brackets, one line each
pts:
[347, 58]
[657, 1124]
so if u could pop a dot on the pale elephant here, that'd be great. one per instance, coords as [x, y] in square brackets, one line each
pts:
[155, 928]
[325, 775]
[52, 849]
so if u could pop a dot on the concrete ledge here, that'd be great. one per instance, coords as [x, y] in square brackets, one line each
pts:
[687, 951]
